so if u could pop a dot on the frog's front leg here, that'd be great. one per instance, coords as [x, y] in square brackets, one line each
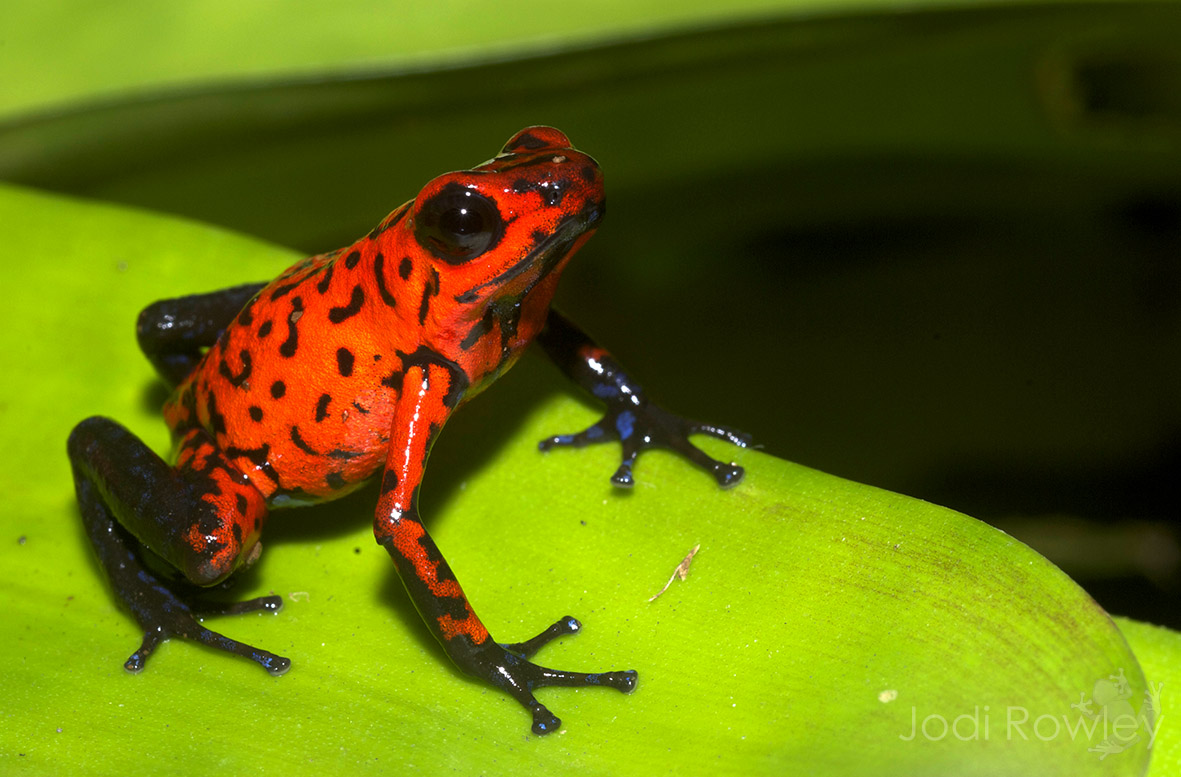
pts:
[630, 417]
[431, 389]
[201, 518]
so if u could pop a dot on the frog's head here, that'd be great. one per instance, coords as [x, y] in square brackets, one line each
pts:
[504, 230]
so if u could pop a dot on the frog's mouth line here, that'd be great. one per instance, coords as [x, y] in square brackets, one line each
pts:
[554, 248]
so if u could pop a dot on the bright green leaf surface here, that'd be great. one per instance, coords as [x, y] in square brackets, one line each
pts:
[1159, 652]
[821, 620]
[55, 52]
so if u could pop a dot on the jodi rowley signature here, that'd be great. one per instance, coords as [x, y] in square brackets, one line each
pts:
[1106, 720]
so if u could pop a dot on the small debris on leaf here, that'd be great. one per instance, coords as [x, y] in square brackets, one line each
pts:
[682, 571]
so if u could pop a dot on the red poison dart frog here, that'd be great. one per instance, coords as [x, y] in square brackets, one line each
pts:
[345, 368]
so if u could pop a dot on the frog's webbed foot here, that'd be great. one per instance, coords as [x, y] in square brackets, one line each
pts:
[507, 667]
[639, 425]
[163, 614]
[125, 490]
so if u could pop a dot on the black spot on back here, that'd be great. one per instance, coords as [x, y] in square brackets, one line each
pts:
[236, 380]
[299, 443]
[326, 281]
[339, 314]
[282, 291]
[246, 316]
[291, 344]
[429, 289]
[344, 361]
[379, 276]
[217, 421]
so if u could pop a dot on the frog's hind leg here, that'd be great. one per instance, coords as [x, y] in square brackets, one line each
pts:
[172, 333]
[201, 519]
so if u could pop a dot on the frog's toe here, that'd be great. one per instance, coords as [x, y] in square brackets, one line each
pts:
[565, 625]
[544, 721]
[193, 631]
[137, 660]
[729, 434]
[508, 667]
[727, 474]
[526, 676]
[623, 477]
[596, 432]
[274, 664]
[270, 603]
[163, 614]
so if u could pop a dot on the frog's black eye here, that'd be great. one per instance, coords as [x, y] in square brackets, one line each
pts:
[458, 224]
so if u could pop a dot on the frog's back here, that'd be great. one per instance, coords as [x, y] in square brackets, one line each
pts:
[299, 390]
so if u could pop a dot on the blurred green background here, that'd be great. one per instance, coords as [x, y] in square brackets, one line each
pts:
[932, 249]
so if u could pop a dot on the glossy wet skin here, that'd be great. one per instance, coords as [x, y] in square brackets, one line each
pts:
[311, 367]
[345, 368]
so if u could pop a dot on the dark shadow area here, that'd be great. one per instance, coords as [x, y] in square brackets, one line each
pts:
[153, 396]
[1113, 528]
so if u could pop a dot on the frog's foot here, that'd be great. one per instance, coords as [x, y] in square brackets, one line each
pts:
[163, 614]
[125, 490]
[507, 667]
[639, 426]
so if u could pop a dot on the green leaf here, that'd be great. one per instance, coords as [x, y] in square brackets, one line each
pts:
[819, 619]
[1159, 652]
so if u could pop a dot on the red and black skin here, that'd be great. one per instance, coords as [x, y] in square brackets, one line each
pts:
[345, 368]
